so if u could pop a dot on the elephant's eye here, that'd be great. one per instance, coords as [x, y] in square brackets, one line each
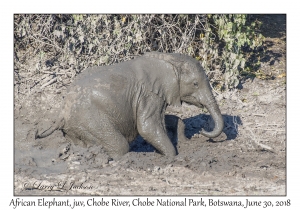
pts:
[196, 84]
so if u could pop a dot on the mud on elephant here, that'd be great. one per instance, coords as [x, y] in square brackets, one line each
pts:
[111, 105]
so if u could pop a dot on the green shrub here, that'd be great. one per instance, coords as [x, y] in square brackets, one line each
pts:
[64, 45]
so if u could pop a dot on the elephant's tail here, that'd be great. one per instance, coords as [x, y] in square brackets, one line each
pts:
[59, 124]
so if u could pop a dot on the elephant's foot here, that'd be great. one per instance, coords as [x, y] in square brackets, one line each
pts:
[163, 145]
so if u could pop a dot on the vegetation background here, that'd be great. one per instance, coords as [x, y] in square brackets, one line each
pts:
[50, 50]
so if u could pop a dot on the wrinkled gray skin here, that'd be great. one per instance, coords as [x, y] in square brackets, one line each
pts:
[111, 105]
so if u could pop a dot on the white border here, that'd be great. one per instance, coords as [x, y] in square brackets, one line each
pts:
[152, 6]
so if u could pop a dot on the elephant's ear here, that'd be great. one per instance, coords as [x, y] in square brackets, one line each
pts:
[176, 59]
[176, 62]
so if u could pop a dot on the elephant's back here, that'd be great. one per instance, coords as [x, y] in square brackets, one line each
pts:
[106, 90]
[112, 79]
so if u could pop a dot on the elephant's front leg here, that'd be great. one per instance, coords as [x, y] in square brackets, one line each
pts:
[151, 124]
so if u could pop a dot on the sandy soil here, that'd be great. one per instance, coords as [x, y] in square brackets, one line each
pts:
[248, 158]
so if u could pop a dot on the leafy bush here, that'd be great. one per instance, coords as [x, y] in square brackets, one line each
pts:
[49, 50]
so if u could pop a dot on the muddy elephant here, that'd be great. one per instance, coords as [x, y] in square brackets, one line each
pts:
[111, 105]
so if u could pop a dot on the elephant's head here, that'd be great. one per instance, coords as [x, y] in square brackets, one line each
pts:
[194, 87]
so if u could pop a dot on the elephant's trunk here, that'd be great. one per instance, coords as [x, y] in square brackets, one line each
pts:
[215, 112]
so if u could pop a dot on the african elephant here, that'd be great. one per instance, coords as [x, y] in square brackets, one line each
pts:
[111, 105]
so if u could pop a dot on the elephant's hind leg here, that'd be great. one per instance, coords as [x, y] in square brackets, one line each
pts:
[112, 141]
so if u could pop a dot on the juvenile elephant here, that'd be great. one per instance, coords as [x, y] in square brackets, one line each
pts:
[111, 105]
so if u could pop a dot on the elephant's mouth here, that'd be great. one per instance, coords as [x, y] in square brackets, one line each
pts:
[192, 101]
